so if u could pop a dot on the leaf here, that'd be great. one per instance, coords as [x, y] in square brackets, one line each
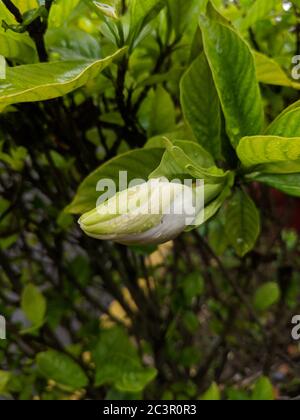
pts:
[15, 47]
[25, 5]
[60, 11]
[33, 305]
[188, 158]
[212, 394]
[138, 164]
[242, 223]
[162, 114]
[263, 390]
[180, 13]
[287, 123]
[233, 70]
[62, 369]
[268, 71]
[201, 106]
[117, 362]
[142, 12]
[258, 11]
[288, 184]
[266, 296]
[43, 81]
[73, 44]
[172, 168]
[4, 379]
[212, 208]
[265, 149]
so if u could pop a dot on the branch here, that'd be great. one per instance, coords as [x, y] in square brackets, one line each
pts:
[13, 10]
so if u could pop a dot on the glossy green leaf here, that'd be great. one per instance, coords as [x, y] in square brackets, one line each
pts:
[268, 71]
[138, 164]
[62, 369]
[33, 305]
[201, 106]
[263, 390]
[60, 11]
[242, 222]
[266, 296]
[287, 183]
[265, 149]
[43, 81]
[233, 69]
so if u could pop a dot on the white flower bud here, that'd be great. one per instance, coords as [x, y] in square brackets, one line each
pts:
[151, 213]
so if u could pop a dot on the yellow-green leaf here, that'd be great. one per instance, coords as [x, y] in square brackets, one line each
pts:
[43, 81]
[268, 71]
[258, 150]
[60, 11]
[258, 11]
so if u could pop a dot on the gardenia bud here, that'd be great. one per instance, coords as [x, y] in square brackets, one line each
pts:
[151, 213]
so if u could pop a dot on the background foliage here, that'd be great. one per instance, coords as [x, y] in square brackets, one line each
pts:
[93, 88]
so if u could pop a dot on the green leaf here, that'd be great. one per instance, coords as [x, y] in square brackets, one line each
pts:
[25, 5]
[60, 11]
[172, 168]
[73, 44]
[33, 305]
[212, 208]
[288, 184]
[40, 82]
[201, 106]
[287, 123]
[118, 364]
[4, 379]
[265, 149]
[263, 390]
[138, 164]
[193, 285]
[162, 113]
[258, 11]
[62, 369]
[15, 46]
[233, 70]
[180, 13]
[212, 394]
[266, 296]
[268, 71]
[242, 223]
[188, 158]
[142, 12]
